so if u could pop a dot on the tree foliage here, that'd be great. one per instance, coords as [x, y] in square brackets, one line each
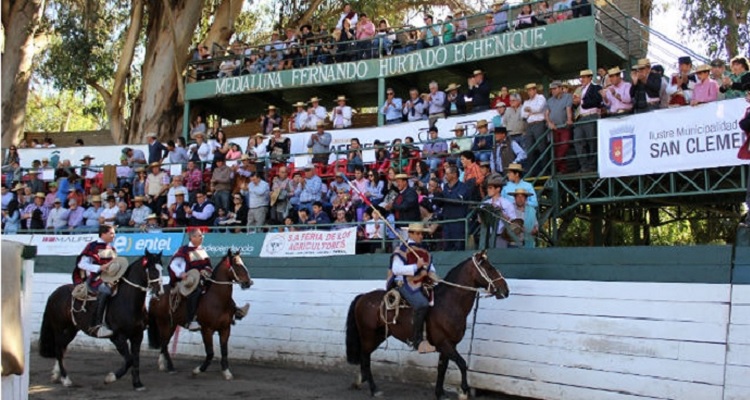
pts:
[63, 111]
[723, 24]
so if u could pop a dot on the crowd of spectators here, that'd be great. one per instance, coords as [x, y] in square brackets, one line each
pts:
[356, 37]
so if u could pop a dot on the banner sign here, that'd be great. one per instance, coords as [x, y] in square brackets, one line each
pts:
[103, 155]
[310, 243]
[23, 239]
[676, 139]
[61, 245]
[217, 244]
[135, 244]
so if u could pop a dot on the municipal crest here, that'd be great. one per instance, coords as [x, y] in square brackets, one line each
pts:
[622, 145]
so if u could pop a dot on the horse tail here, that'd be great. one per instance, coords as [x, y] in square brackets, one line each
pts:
[154, 340]
[353, 341]
[47, 347]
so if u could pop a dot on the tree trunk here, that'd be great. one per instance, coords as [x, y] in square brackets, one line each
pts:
[20, 19]
[222, 28]
[731, 44]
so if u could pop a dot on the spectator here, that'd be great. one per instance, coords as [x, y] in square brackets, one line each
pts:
[275, 60]
[391, 110]
[337, 186]
[734, 85]
[316, 113]
[282, 190]
[559, 118]
[309, 189]
[435, 150]
[139, 213]
[57, 219]
[405, 204]
[87, 171]
[135, 157]
[415, 108]
[581, 8]
[157, 185]
[176, 214]
[489, 25]
[497, 120]
[198, 126]
[449, 30]
[514, 182]
[479, 91]
[75, 215]
[473, 177]
[109, 213]
[269, 121]
[453, 201]
[588, 104]
[526, 18]
[341, 220]
[202, 150]
[35, 214]
[347, 14]
[460, 143]
[681, 84]
[221, 182]
[123, 216]
[258, 200]
[92, 214]
[303, 216]
[384, 38]
[455, 104]
[506, 151]
[34, 183]
[7, 196]
[341, 114]
[375, 187]
[156, 150]
[202, 212]
[524, 211]
[177, 155]
[514, 121]
[238, 213]
[345, 38]
[299, 118]
[500, 16]
[462, 27]
[617, 96]
[354, 156]
[482, 145]
[718, 72]
[193, 179]
[319, 143]
[174, 188]
[536, 133]
[430, 33]
[318, 216]
[435, 103]
[562, 10]
[646, 87]
[502, 205]
[544, 14]
[706, 90]
[365, 32]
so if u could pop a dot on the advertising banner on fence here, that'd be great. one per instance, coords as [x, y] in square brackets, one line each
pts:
[61, 245]
[310, 243]
[135, 244]
[248, 245]
[677, 139]
[24, 239]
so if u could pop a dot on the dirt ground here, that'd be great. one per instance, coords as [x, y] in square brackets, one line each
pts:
[87, 371]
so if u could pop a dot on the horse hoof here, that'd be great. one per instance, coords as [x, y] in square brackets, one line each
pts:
[67, 382]
[140, 388]
[227, 375]
[463, 396]
[377, 394]
[162, 363]
[172, 371]
[197, 370]
[110, 378]
[55, 373]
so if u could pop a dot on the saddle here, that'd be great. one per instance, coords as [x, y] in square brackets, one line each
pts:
[393, 301]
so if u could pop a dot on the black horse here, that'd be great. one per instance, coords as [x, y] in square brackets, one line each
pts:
[126, 316]
[446, 321]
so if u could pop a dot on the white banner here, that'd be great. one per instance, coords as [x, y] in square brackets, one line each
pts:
[676, 139]
[310, 243]
[24, 239]
[61, 245]
[103, 155]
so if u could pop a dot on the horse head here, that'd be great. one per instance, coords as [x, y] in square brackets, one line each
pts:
[152, 264]
[237, 269]
[486, 275]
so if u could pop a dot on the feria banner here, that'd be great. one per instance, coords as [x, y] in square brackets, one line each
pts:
[310, 243]
[676, 139]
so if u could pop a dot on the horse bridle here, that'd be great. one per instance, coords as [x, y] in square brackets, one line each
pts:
[149, 281]
[235, 278]
[491, 288]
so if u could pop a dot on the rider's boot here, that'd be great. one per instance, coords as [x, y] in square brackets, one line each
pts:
[101, 304]
[241, 312]
[192, 307]
[418, 326]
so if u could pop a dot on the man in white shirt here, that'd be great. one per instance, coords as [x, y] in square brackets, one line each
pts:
[57, 219]
[342, 114]
[315, 114]
[347, 13]
[533, 111]
[414, 108]
[174, 187]
[301, 117]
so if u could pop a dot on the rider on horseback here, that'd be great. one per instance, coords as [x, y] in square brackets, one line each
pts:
[189, 257]
[410, 266]
[95, 259]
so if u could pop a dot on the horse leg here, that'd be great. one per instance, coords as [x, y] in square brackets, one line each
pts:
[58, 370]
[165, 360]
[442, 368]
[224, 341]
[367, 375]
[135, 352]
[121, 344]
[208, 345]
[450, 351]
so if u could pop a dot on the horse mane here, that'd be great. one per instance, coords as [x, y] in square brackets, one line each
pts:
[217, 266]
[452, 275]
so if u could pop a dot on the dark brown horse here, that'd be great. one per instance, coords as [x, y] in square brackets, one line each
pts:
[126, 316]
[215, 313]
[446, 321]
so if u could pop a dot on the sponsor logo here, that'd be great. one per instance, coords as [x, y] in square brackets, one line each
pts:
[276, 245]
[137, 244]
[622, 145]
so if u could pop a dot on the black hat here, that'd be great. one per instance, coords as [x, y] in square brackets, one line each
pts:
[657, 68]
[501, 129]
[433, 129]
[685, 60]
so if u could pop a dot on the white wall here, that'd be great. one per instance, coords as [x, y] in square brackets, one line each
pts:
[551, 339]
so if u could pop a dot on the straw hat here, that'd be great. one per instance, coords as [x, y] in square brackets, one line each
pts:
[515, 167]
[644, 62]
[152, 216]
[190, 282]
[481, 123]
[271, 107]
[341, 98]
[258, 135]
[151, 134]
[276, 129]
[498, 3]
[530, 86]
[315, 99]
[299, 104]
[452, 86]
[309, 167]
[179, 192]
[40, 194]
[614, 71]
[245, 157]
[521, 191]
[138, 198]
[96, 198]
[275, 197]
[140, 169]
[154, 164]
[703, 68]
[416, 227]
[402, 176]
[477, 72]
[320, 123]
[586, 72]
[196, 134]
[458, 127]
[115, 271]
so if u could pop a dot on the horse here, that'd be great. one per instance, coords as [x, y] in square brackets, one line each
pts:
[215, 314]
[446, 320]
[125, 315]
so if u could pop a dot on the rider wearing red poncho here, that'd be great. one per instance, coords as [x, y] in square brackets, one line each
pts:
[93, 260]
[188, 257]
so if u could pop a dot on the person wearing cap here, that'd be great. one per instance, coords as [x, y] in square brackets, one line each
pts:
[681, 84]
[533, 111]
[392, 107]
[35, 214]
[315, 113]
[320, 143]
[505, 152]
[109, 212]
[174, 187]
[309, 189]
[461, 25]
[435, 103]
[95, 258]
[483, 142]
[452, 199]
[646, 87]
[270, 120]
[92, 214]
[617, 96]
[156, 149]
[514, 181]
[455, 104]
[140, 212]
[414, 109]
[588, 104]
[405, 205]
[157, 184]
[502, 205]
[410, 265]
[735, 85]
[299, 118]
[500, 16]
[282, 189]
[705, 90]
[341, 115]
[559, 118]
[500, 108]
[279, 147]
[33, 182]
[479, 91]
[152, 224]
[57, 219]
[435, 150]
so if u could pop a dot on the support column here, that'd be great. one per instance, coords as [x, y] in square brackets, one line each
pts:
[591, 50]
[597, 225]
[381, 100]
[186, 122]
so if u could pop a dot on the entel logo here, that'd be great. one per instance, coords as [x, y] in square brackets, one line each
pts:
[125, 244]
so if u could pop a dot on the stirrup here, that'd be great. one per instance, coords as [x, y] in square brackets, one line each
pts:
[104, 332]
[194, 326]
[425, 347]
[241, 312]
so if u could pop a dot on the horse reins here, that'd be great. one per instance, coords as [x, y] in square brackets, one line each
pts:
[491, 288]
[149, 281]
[235, 279]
